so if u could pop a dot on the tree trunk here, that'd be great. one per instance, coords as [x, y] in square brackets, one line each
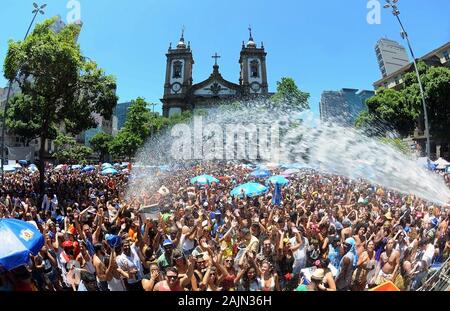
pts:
[44, 135]
[42, 167]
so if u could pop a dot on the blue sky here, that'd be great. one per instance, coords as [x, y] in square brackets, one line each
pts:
[323, 45]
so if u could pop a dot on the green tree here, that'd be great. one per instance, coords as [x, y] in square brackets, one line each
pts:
[68, 151]
[287, 91]
[436, 83]
[136, 130]
[178, 118]
[398, 144]
[388, 110]
[100, 143]
[60, 87]
[139, 118]
[125, 144]
[401, 110]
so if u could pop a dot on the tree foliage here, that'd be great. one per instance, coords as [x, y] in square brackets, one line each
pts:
[100, 143]
[397, 143]
[60, 88]
[388, 109]
[401, 110]
[141, 124]
[68, 151]
[287, 91]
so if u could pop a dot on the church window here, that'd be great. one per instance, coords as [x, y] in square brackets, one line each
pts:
[177, 67]
[254, 69]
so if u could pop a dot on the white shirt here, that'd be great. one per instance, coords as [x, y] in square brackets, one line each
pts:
[429, 254]
[300, 254]
[133, 262]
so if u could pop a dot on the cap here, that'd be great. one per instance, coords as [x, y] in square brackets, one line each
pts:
[350, 241]
[67, 244]
[346, 222]
[167, 242]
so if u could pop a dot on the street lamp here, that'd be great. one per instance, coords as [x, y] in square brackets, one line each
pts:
[395, 11]
[37, 9]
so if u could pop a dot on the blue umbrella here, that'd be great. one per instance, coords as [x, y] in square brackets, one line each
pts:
[113, 240]
[260, 173]
[204, 179]
[23, 162]
[109, 171]
[18, 239]
[249, 189]
[281, 180]
[106, 165]
[88, 168]
[32, 168]
[76, 167]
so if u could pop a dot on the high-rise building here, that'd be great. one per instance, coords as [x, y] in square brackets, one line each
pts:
[391, 56]
[120, 112]
[343, 106]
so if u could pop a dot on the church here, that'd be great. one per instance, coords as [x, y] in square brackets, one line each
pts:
[180, 94]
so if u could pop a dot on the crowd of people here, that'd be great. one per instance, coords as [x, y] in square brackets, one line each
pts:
[327, 234]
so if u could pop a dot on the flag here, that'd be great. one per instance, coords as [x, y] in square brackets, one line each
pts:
[276, 197]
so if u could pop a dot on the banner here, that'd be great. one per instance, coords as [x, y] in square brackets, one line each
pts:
[150, 212]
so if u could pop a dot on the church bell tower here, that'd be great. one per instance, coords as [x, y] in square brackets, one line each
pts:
[178, 77]
[253, 77]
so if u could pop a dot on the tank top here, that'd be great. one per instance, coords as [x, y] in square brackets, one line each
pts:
[228, 282]
[346, 279]
[116, 285]
[271, 287]
[164, 287]
[89, 266]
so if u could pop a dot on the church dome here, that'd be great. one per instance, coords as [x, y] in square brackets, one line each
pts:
[181, 44]
[251, 44]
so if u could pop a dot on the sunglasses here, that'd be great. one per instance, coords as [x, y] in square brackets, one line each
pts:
[228, 260]
[172, 277]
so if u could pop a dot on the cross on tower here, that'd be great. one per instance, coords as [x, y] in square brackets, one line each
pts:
[216, 57]
[250, 30]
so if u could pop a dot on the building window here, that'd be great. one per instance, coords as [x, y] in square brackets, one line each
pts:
[254, 69]
[446, 55]
[177, 67]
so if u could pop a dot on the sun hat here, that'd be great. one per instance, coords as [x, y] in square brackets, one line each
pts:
[318, 275]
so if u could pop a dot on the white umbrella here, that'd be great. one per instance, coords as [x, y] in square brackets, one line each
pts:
[441, 163]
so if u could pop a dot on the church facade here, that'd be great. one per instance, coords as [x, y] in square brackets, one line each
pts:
[181, 94]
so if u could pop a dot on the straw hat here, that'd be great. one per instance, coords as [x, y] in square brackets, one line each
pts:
[318, 275]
